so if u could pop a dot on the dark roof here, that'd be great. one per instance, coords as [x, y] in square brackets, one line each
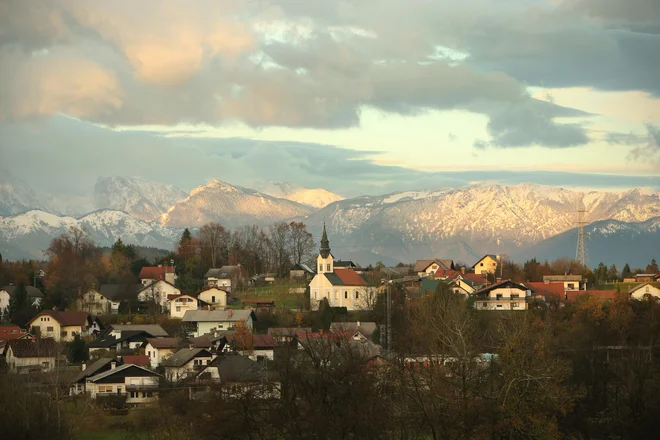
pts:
[505, 283]
[32, 292]
[366, 328]
[345, 277]
[288, 331]
[302, 266]
[237, 368]
[120, 291]
[199, 342]
[257, 341]
[151, 329]
[25, 348]
[185, 355]
[108, 341]
[118, 370]
[92, 369]
[223, 272]
[65, 318]
[142, 360]
[344, 263]
[218, 315]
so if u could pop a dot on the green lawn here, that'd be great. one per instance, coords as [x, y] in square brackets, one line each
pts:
[276, 292]
[624, 287]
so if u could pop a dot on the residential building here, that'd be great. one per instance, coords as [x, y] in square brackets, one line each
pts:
[425, 268]
[301, 271]
[570, 282]
[157, 293]
[159, 349]
[140, 360]
[178, 305]
[549, 290]
[79, 382]
[505, 295]
[645, 290]
[255, 346]
[241, 376]
[153, 330]
[120, 337]
[34, 296]
[186, 362]
[487, 264]
[32, 355]
[224, 277]
[107, 298]
[138, 384]
[341, 287]
[64, 326]
[214, 297]
[151, 274]
[9, 332]
[201, 322]
[645, 277]
[285, 335]
[358, 331]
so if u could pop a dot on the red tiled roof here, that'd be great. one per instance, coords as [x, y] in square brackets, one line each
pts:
[141, 360]
[11, 332]
[475, 278]
[573, 295]
[155, 272]
[65, 318]
[172, 296]
[350, 277]
[554, 289]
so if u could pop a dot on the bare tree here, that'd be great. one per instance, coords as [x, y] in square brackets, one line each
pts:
[279, 245]
[301, 243]
[215, 239]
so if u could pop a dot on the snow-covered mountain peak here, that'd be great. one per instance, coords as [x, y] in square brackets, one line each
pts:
[315, 197]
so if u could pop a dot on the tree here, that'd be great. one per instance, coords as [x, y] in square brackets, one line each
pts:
[18, 301]
[653, 267]
[78, 349]
[214, 239]
[626, 272]
[601, 273]
[278, 236]
[302, 243]
[613, 274]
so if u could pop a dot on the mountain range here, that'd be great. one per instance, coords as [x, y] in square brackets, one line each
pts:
[464, 223]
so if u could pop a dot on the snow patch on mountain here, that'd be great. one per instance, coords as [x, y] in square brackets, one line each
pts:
[314, 197]
[16, 195]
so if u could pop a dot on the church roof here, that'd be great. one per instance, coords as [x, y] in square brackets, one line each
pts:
[325, 244]
[345, 277]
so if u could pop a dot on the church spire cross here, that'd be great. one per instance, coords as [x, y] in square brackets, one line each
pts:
[325, 244]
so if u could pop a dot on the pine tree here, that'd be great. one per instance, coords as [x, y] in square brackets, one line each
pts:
[613, 274]
[18, 300]
[601, 273]
[653, 267]
[626, 272]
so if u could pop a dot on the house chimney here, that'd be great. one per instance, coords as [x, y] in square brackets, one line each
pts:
[113, 365]
[84, 366]
[230, 313]
[358, 323]
[463, 270]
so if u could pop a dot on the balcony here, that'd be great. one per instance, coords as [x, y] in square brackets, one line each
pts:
[142, 387]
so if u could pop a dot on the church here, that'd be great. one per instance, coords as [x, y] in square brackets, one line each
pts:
[342, 287]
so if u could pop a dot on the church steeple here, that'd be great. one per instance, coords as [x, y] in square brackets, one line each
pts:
[325, 244]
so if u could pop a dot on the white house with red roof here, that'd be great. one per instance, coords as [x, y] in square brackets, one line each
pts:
[158, 293]
[341, 287]
[150, 274]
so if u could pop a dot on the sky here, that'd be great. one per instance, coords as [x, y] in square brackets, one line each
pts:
[355, 96]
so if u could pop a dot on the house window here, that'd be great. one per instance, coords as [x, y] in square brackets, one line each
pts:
[499, 306]
[178, 308]
[515, 296]
[105, 388]
[485, 305]
[336, 295]
[213, 299]
[133, 394]
[63, 333]
[498, 296]
[514, 305]
[45, 364]
[357, 295]
[49, 329]
[327, 267]
[346, 294]
[320, 268]
[647, 289]
[148, 394]
[482, 264]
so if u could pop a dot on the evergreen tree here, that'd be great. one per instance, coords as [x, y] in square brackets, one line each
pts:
[600, 273]
[18, 301]
[613, 274]
[78, 350]
[626, 272]
[653, 267]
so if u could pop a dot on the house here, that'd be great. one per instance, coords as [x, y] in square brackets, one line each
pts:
[465, 283]
[32, 355]
[34, 296]
[157, 292]
[462, 286]
[64, 326]
[505, 295]
[178, 305]
[136, 359]
[570, 282]
[201, 322]
[137, 384]
[345, 264]
[241, 376]
[259, 305]
[645, 277]
[358, 331]
[150, 274]
[341, 287]
[186, 362]
[126, 337]
[425, 268]
[301, 270]
[107, 298]
[285, 335]
[554, 290]
[224, 277]
[79, 382]
[255, 346]
[261, 279]
[643, 291]
[9, 332]
[487, 264]
[213, 296]
[159, 349]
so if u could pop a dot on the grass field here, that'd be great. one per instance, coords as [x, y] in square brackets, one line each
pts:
[624, 287]
[276, 292]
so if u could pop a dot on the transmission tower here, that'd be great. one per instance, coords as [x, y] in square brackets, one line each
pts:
[581, 252]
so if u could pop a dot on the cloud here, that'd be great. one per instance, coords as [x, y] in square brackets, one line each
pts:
[296, 64]
[645, 148]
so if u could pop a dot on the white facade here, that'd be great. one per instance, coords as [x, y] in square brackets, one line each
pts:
[206, 327]
[49, 327]
[223, 283]
[214, 296]
[95, 303]
[157, 293]
[175, 374]
[45, 364]
[503, 298]
[136, 389]
[351, 297]
[645, 291]
[157, 355]
[180, 305]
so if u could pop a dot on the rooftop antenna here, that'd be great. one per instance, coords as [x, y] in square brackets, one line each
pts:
[581, 251]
